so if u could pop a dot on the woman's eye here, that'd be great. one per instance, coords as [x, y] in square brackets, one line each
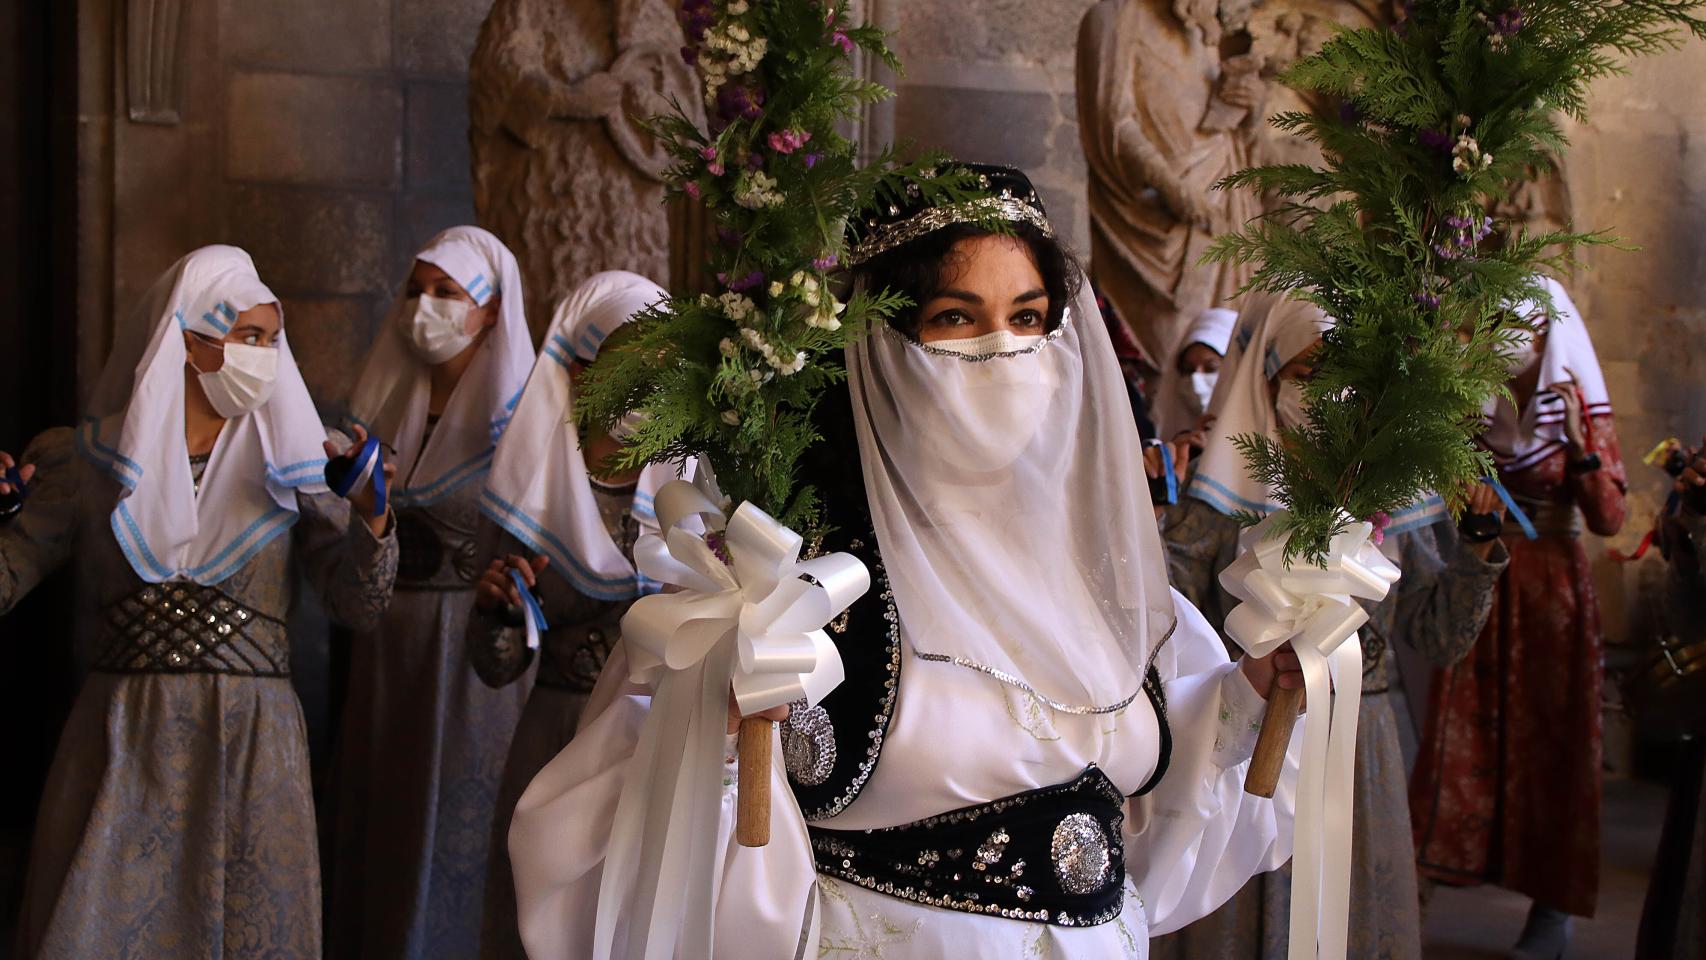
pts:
[253, 340]
[950, 318]
[1026, 320]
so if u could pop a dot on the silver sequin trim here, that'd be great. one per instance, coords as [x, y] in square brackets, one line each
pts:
[1081, 855]
[935, 218]
[808, 744]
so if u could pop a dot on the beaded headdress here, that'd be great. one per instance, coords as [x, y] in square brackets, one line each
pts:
[894, 221]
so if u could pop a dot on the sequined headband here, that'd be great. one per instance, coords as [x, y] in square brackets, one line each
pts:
[894, 234]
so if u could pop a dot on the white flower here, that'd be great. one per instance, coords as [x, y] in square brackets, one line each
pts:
[738, 32]
[776, 288]
[736, 306]
[726, 347]
[731, 418]
[798, 278]
[756, 376]
[810, 283]
[737, 8]
[705, 300]
[811, 297]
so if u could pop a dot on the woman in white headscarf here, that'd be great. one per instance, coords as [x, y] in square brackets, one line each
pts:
[1187, 383]
[1437, 608]
[422, 742]
[178, 819]
[1520, 720]
[1018, 670]
[550, 499]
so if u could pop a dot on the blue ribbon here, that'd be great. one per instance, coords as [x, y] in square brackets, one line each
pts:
[1511, 509]
[14, 477]
[528, 600]
[1167, 470]
[368, 461]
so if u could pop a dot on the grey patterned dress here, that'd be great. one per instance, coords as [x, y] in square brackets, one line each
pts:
[1438, 607]
[419, 757]
[571, 656]
[178, 819]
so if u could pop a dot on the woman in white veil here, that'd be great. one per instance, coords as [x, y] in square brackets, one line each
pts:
[178, 818]
[1038, 746]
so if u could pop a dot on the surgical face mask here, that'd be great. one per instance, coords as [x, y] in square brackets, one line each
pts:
[436, 328]
[1289, 407]
[629, 423]
[1196, 390]
[244, 383]
[990, 344]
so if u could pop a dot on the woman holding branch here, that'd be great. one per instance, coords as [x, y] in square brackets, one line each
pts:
[1038, 744]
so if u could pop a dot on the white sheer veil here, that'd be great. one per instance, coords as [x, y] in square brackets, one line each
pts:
[1007, 493]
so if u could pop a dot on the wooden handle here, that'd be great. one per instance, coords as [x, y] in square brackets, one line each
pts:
[1269, 759]
[752, 799]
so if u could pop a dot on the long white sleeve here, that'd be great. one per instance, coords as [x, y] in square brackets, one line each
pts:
[562, 825]
[1198, 837]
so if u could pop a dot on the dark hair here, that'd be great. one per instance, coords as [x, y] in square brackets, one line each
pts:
[915, 269]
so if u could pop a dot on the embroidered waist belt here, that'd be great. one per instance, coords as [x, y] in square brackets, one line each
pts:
[1051, 855]
[190, 628]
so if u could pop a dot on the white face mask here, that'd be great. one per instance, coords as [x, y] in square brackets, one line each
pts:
[990, 344]
[1195, 391]
[436, 328]
[1290, 408]
[244, 383]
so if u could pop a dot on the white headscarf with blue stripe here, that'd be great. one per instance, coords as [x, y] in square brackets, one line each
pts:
[391, 396]
[135, 431]
[1272, 329]
[539, 488]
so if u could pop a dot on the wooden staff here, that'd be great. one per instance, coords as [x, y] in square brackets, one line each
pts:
[752, 797]
[1271, 744]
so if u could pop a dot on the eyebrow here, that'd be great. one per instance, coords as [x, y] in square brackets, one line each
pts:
[954, 293]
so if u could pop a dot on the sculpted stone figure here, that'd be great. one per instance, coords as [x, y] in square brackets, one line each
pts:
[1170, 100]
[563, 171]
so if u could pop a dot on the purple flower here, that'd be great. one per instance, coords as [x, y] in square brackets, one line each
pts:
[735, 100]
[709, 153]
[714, 169]
[787, 141]
[691, 188]
[843, 41]
[728, 235]
[1427, 300]
[690, 56]
[809, 159]
[1348, 113]
[754, 161]
[1435, 140]
[743, 284]
[1381, 520]
[1506, 24]
[826, 262]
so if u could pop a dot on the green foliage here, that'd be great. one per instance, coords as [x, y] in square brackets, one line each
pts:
[1439, 115]
[734, 377]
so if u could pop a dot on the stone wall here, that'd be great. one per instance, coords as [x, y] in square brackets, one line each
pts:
[327, 137]
[1639, 172]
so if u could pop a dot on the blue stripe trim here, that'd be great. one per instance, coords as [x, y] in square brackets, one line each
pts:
[123, 469]
[590, 341]
[1417, 515]
[135, 548]
[528, 531]
[258, 534]
[1219, 497]
[309, 471]
[516, 398]
[445, 485]
[211, 318]
[552, 352]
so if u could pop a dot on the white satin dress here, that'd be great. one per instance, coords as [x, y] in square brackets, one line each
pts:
[956, 738]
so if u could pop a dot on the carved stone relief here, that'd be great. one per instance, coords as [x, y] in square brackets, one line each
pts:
[564, 171]
[153, 74]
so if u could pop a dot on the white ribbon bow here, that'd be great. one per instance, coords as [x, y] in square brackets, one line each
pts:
[1316, 609]
[754, 622]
